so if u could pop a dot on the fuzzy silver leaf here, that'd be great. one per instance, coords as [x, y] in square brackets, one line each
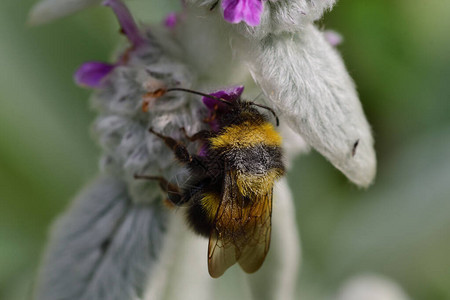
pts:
[308, 84]
[103, 247]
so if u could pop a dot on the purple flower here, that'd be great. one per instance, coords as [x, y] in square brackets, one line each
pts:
[171, 20]
[249, 11]
[126, 21]
[217, 108]
[91, 74]
[333, 38]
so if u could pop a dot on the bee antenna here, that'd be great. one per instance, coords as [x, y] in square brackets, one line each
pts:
[200, 94]
[269, 109]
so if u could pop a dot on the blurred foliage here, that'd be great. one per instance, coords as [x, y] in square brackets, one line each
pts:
[399, 55]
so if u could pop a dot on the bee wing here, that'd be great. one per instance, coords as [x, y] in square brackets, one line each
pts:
[221, 255]
[222, 252]
[242, 232]
[257, 241]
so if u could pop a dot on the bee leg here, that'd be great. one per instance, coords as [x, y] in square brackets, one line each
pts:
[180, 151]
[174, 196]
[201, 135]
[165, 185]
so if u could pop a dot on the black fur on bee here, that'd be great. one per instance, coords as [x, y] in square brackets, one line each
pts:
[229, 193]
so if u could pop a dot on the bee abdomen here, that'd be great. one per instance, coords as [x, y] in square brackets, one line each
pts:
[202, 213]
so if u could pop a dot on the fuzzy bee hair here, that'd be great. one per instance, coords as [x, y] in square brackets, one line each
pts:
[229, 193]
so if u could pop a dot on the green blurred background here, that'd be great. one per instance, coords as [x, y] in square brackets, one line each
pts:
[399, 55]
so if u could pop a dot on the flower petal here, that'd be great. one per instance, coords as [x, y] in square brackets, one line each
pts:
[91, 74]
[334, 38]
[283, 16]
[49, 10]
[308, 84]
[249, 11]
[126, 21]
[171, 20]
[217, 108]
[231, 94]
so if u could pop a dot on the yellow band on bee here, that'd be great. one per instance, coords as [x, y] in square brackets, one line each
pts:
[250, 184]
[210, 203]
[247, 135]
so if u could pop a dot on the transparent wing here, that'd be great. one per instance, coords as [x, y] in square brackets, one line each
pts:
[221, 255]
[242, 230]
[257, 243]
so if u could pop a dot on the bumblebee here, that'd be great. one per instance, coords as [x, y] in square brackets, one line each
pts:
[229, 193]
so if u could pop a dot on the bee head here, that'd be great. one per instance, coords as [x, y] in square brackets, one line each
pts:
[222, 103]
[234, 107]
[269, 109]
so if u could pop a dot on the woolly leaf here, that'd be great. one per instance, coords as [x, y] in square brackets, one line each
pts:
[103, 247]
[307, 82]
